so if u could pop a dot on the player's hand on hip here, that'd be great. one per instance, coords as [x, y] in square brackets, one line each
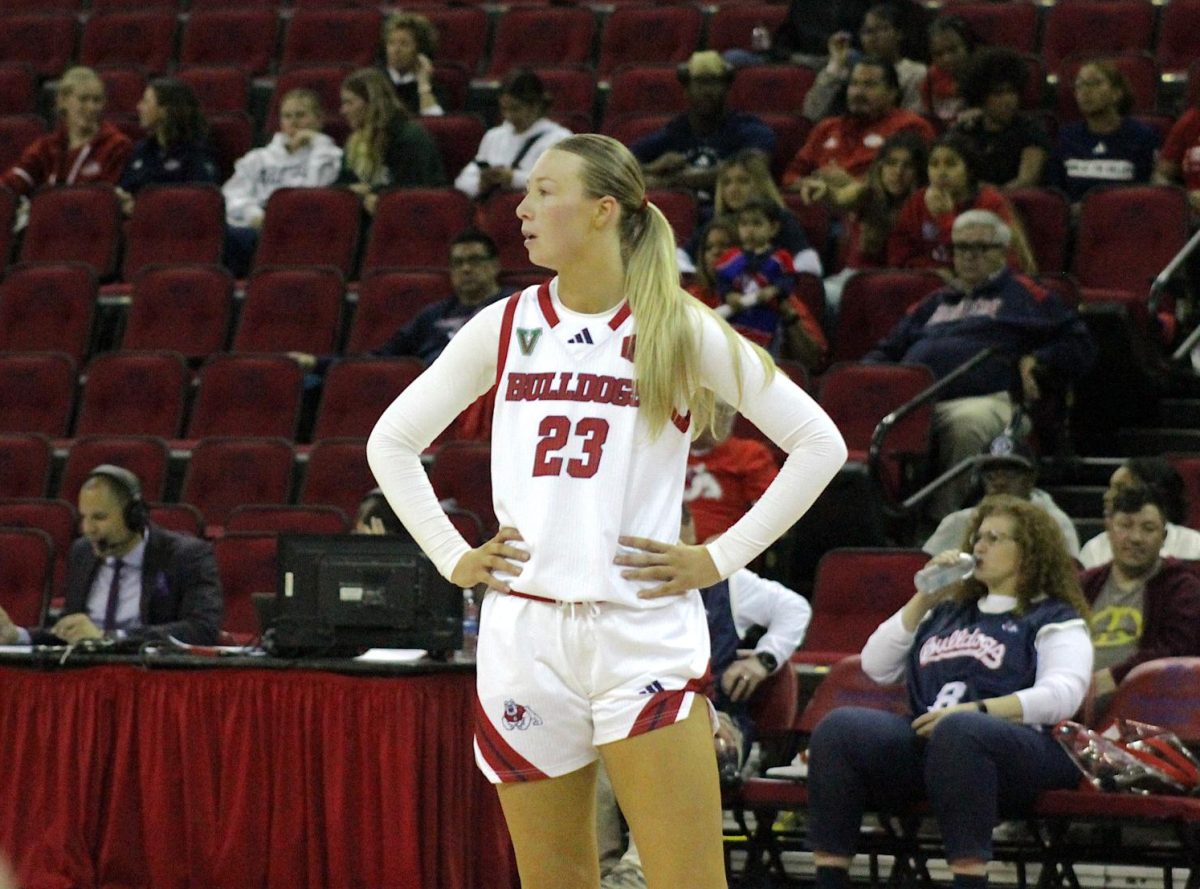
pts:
[678, 566]
[498, 555]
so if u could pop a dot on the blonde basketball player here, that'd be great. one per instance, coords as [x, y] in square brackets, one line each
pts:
[593, 638]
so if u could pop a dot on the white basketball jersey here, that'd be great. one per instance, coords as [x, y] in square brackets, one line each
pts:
[573, 464]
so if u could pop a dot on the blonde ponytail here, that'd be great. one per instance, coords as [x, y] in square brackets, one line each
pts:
[666, 363]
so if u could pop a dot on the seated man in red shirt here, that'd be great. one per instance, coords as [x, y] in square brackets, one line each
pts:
[840, 149]
[725, 476]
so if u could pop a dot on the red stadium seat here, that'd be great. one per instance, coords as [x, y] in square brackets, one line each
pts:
[224, 473]
[263, 519]
[462, 34]
[246, 565]
[649, 35]
[337, 474]
[24, 464]
[1176, 49]
[1046, 215]
[231, 134]
[142, 39]
[357, 391]
[46, 41]
[74, 223]
[247, 395]
[629, 128]
[244, 38]
[291, 310]
[17, 132]
[133, 393]
[679, 207]
[413, 227]
[1076, 27]
[732, 25]
[530, 37]
[183, 518]
[462, 472]
[37, 390]
[146, 456]
[56, 518]
[123, 88]
[26, 568]
[218, 88]
[183, 308]
[770, 89]
[872, 303]
[389, 299]
[174, 224]
[999, 24]
[501, 222]
[48, 308]
[457, 138]
[571, 90]
[644, 89]
[331, 36]
[310, 227]
[854, 591]
[18, 88]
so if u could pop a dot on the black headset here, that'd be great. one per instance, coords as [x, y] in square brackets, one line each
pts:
[135, 513]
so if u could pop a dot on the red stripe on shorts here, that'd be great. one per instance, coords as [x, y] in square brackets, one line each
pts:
[663, 708]
[498, 753]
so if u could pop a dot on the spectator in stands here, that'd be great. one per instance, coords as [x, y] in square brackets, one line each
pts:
[409, 43]
[880, 36]
[176, 148]
[386, 147]
[840, 149]
[803, 37]
[685, 153]
[920, 239]
[376, 516]
[743, 608]
[299, 155]
[127, 578]
[744, 177]
[715, 240]
[1107, 147]
[987, 305]
[871, 206]
[475, 281]
[1012, 146]
[951, 45]
[507, 153]
[725, 475]
[1144, 606]
[1179, 161]
[989, 663]
[755, 282]
[1008, 467]
[82, 149]
[1179, 542]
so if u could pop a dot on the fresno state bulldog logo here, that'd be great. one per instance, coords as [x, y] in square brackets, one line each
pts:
[518, 716]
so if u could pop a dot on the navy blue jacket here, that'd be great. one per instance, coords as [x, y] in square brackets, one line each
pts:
[151, 164]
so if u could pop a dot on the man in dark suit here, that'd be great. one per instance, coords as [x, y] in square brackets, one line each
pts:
[127, 578]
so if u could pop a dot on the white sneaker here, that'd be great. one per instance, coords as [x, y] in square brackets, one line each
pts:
[624, 876]
[797, 770]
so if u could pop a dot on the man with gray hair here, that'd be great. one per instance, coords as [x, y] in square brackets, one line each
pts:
[1037, 337]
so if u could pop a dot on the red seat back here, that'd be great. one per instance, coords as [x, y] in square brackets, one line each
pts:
[847, 685]
[357, 391]
[413, 226]
[291, 310]
[24, 464]
[174, 224]
[182, 308]
[310, 226]
[387, 300]
[74, 223]
[256, 395]
[138, 393]
[146, 456]
[224, 473]
[48, 307]
[26, 567]
[37, 390]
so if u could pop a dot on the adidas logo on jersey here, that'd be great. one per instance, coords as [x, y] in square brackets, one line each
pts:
[652, 689]
[584, 336]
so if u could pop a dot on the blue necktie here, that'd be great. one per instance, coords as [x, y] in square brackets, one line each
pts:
[114, 596]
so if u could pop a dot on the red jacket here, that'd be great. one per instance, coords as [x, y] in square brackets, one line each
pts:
[1170, 612]
[725, 482]
[49, 160]
[921, 240]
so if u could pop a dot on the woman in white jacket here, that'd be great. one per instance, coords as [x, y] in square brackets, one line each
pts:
[299, 155]
[508, 152]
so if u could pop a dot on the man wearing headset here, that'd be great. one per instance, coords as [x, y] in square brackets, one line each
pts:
[127, 578]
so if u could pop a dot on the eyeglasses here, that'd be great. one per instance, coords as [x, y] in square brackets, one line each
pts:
[1090, 83]
[971, 248]
[991, 538]
[459, 262]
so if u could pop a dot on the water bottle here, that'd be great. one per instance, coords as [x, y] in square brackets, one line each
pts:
[760, 38]
[470, 626]
[934, 577]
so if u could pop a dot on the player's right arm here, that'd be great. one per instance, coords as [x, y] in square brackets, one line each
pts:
[465, 370]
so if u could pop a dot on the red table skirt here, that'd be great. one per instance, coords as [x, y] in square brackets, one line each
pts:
[229, 778]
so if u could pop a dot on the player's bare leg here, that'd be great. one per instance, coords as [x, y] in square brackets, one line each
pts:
[552, 823]
[666, 784]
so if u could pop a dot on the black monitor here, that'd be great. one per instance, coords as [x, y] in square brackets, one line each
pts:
[344, 593]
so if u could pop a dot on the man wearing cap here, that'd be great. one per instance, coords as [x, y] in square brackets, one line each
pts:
[840, 149]
[127, 578]
[1037, 339]
[1008, 467]
[685, 153]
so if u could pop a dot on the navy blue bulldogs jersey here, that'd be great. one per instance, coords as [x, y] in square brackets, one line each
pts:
[961, 654]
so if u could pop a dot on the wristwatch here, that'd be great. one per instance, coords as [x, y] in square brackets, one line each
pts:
[767, 660]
